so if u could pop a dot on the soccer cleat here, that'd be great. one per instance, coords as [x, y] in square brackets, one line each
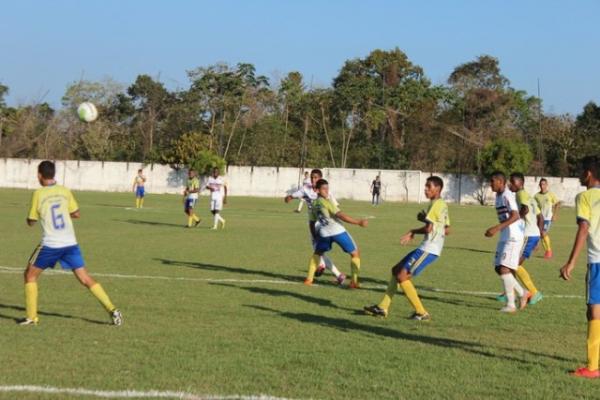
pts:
[354, 285]
[214, 228]
[524, 300]
[583, 372]
[27, 321]
[420, 317]
[308, 282]
[502, 298]
[197, 223]
[340, 279]
[536, 298]
[320, 271]
[508, 309]
[375, 310]
[117, 317]
[548, 255]
[297, 211]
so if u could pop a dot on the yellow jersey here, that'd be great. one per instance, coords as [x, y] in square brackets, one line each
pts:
[546, 202]
[193, 184]
[531, 227]
[587, 205]
[438, 216]
[52, 206]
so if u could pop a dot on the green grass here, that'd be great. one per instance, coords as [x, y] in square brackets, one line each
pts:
[241, 337]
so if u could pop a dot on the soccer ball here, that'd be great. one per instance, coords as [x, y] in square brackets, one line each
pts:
[87, 112]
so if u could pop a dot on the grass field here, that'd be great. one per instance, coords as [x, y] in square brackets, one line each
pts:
[225, 313]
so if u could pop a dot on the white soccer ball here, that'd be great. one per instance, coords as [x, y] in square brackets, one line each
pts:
[87, 112]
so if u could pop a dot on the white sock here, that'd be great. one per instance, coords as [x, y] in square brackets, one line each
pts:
[220, 218]
[300, 205]
[518, 288]
[330, 266]
[216, 220]
[509, 288]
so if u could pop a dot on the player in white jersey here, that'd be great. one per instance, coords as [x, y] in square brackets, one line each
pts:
[307, 185]
[308, 195]
[218, 197]
[508, 251]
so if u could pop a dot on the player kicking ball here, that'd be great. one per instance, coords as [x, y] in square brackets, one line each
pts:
[54, 206]
[437, 225]
[508, 250]
[328, 229]
[587, 207]
[218, 197]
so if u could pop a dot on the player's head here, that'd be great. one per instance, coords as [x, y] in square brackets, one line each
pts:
[322, 187]
[498, 181]
[140, 171]
[433, 187]
[215, 172]
[377, 178]
[590, 171]
[517, 181]
[191, 173]
[315, 175]
[46, 171]
[543, 185]
[306, 174]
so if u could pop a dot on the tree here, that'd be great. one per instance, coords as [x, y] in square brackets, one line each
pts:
[507, 156]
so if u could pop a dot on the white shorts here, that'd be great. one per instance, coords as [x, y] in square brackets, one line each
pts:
[508, 253]
[216, 204]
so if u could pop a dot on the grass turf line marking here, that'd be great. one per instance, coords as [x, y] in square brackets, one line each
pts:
[12, 270]
[130, 394]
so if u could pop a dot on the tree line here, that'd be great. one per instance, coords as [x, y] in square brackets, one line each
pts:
[380, 112]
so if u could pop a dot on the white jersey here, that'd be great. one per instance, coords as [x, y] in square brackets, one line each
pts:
[217, 186]
[307, 194]
[506, 203]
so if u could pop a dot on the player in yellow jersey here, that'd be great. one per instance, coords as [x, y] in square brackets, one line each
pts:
[190, 197]
[326, 223]
[587, 206]
[549, 205]
[437, 224]
[54, 206]
[138, 188]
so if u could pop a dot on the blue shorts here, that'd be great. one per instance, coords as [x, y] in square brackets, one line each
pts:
[530, 245]
[416, 261]
[344, 240]
[46, 257]
[592, 283]
[139, 192]
[189, 204]
[547, 225]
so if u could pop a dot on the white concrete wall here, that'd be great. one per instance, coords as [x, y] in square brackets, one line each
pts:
[263, 181]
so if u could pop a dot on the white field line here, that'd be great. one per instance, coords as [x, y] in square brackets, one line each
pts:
[130, 394]
[12, 270]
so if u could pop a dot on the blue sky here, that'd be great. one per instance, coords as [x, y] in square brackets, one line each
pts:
[44, 45]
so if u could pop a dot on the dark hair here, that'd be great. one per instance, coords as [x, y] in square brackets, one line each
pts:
[498, 174]
[47, 169]
[140, 170]
[436, 180]
[592, 164]
[517, 175]
[320, 183]
[543, 180]
[317, 171]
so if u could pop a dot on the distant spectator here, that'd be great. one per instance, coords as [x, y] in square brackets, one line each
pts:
[376, 190]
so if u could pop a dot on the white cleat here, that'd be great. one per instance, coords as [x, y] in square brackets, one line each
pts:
[508, 309]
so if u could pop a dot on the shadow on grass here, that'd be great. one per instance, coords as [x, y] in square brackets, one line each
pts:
[49, 314]
[153, 223]
[478, 349]
[469, 249]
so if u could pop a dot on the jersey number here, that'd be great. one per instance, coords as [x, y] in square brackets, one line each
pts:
[58, 220]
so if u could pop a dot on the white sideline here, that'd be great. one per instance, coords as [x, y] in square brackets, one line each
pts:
[12, 270]
[130, 394]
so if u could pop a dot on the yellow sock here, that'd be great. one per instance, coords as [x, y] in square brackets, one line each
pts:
[190, 220]
[102, 297]
[312, 267]
[411, 294]
[31, 300]
[137, 202]
[141, 202]
[546, 242]
[593, 344]
[524, 277]
[389, 294]
[195, 218]
[354, 268]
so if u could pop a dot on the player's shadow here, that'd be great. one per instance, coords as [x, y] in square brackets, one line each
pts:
[283, 293]
[46, 313]
[469, 249]
[153, 223]
[478, 349]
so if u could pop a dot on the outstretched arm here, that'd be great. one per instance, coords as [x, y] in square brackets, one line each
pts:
[346, 218]
[424, 230]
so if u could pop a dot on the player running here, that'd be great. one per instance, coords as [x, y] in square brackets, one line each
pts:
[587, 206]
[54, 206]
[308, 194]
[437, 225]
[508, 250]
[190, 197]
[218, 197]
[328, 229]
[138, 188]
[549, 205]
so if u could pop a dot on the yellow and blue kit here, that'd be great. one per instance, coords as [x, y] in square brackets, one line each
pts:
[329, 228]
[588, 211]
